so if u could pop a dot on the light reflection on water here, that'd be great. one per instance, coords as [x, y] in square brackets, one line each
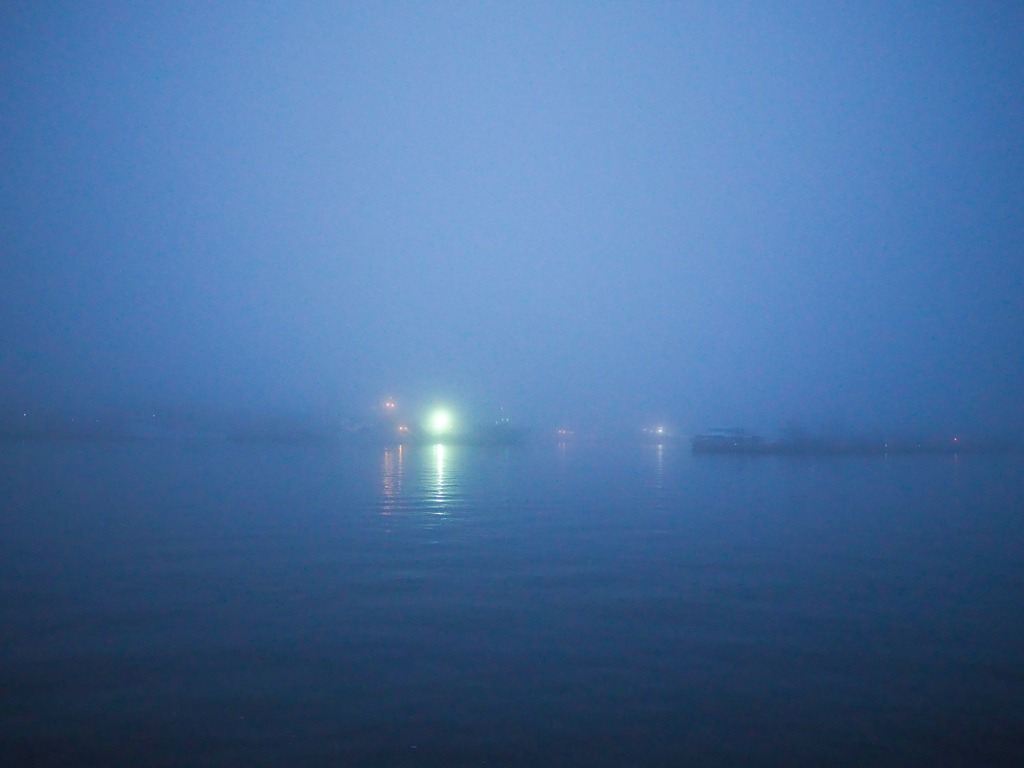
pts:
[439, 492]
[433, 484]
[439, 483]
[659, 468]
[392, 480]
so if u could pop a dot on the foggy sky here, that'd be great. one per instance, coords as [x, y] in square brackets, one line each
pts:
[710, 214]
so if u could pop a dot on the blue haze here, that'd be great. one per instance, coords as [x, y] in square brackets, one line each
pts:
[708, 213]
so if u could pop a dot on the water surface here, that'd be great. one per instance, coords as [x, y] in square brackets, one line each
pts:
[560, 605]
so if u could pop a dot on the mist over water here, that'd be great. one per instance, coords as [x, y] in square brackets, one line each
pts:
[561, 605]
[350, 358]
[707, 215]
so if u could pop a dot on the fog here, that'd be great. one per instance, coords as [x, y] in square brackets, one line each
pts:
[702, 214]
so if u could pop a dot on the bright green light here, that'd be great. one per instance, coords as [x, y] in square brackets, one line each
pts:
[440, 422]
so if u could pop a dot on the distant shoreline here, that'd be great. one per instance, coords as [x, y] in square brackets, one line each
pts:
[898, 449]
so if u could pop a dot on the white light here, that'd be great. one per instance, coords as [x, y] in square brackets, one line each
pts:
[440, 422]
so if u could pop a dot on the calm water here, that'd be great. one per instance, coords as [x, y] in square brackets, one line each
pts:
[579, 605]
